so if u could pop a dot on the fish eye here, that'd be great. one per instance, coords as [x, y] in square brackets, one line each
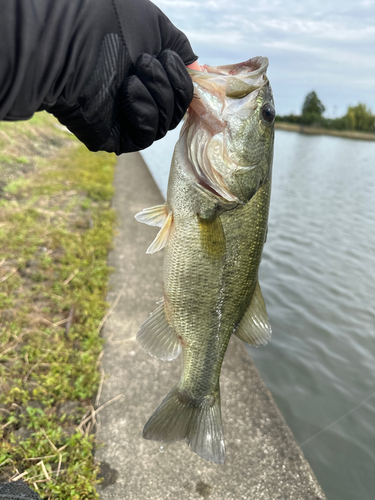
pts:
[268, 113]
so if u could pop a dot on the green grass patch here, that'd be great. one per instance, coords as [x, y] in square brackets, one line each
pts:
[56, 227]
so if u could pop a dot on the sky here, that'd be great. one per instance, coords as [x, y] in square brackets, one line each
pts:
[326, 46]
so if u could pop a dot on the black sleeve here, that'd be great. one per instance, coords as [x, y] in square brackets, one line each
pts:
[49, 52]
[47, 47]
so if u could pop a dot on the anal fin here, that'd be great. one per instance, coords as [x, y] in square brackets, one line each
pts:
[157, 337]
[255, 328]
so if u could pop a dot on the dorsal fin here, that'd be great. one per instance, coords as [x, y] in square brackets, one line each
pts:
[255, 328]
[157, 216]
[157, 337]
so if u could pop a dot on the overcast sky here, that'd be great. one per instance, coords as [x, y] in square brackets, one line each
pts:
[326, 46]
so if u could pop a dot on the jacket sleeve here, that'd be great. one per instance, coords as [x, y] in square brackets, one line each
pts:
[60, 55]
[46, 46]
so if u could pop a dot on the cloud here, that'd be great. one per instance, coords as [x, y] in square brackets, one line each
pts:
[328, 44]
[321, 29]
[215, 39]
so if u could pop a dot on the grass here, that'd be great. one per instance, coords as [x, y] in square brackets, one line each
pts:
[56, 227]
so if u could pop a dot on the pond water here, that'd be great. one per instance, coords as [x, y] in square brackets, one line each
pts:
[318, 281]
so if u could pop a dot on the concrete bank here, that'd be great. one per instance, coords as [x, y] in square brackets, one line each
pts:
[263, 462]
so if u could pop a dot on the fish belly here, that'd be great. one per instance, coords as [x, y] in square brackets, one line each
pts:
[193, 296]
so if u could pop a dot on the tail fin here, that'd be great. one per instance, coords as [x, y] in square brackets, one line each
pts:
[180, 417]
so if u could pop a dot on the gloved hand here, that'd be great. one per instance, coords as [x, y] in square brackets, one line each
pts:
[136, 86]
[155, 98]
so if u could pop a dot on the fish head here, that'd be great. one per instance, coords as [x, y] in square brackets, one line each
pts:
[231, 128]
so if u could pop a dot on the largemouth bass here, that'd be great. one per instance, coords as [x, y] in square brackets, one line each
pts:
[213, 227]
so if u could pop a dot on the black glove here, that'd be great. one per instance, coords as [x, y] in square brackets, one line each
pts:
[122, 116]
[155, 98]
[112, 71]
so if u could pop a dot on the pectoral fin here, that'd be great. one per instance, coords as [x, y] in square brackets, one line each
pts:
[255, 328]
[153, 216]
[157, 337]
[157, 216]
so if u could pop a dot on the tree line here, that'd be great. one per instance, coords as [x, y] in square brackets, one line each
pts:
[357, 117]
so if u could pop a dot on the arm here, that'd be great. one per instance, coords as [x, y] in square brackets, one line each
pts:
[112, 71]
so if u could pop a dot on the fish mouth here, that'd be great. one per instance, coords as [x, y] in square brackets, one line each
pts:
[237, 80]
[256, 66]
[216, 87]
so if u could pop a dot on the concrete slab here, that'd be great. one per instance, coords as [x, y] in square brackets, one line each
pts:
[263, 462]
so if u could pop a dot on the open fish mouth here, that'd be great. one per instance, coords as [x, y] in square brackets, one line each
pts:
[216, 87]
[237, 80]
[255, 65]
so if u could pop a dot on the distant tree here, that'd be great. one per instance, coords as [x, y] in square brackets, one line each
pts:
[313, 104]
[360, 118]
[312, 109]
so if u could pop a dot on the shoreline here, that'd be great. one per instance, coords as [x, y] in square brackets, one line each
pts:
[304, 129]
